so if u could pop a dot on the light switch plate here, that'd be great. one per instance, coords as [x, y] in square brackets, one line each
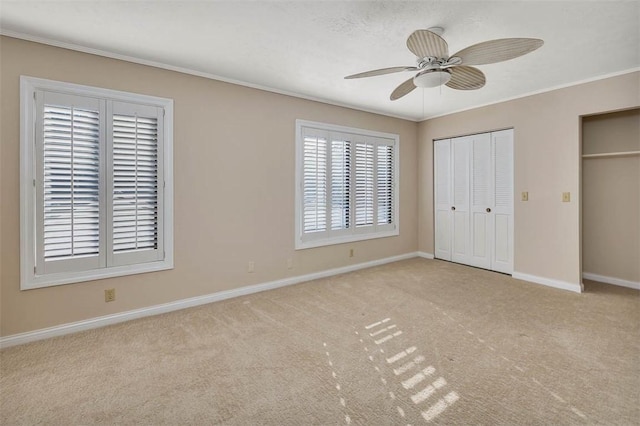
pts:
[525, 196]
[566, 197]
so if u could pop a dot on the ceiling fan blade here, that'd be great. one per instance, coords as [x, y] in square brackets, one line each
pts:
[492, 51]
[423, 43]
[381, 71]
[403, 89]
[466, 78]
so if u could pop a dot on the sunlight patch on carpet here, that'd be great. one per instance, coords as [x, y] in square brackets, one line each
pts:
[425, 394]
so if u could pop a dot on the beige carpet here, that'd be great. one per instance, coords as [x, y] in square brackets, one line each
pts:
[413, 342]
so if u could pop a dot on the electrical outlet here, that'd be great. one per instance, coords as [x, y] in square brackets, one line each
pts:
[289, 263]
[350, 252]
[566, 197]
[525, 196]
[251, 267]
[110, 295]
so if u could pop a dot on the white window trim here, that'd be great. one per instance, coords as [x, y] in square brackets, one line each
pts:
[28, 278]
[358, 234]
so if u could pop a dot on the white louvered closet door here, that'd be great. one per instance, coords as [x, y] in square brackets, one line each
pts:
[461, 150]
[502, 248]
[443, 199]
[473, 203]
[481, 199]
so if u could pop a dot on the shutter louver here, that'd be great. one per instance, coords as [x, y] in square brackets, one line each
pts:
[135, 183]
[71, 208]
[364, 184]
[385, 184]
[314, 184]
[340, 184]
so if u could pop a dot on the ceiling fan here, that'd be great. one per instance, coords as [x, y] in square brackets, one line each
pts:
[435, 67]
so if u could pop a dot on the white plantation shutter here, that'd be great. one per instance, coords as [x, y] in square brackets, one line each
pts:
[136, 179]
[314, 181]
[96, 187]
[68, 209]
[346, 185]
[385, 184]
[364, 184]
[340, 184]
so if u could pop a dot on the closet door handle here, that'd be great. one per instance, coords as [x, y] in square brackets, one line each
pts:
[453, 207]
[488, 210]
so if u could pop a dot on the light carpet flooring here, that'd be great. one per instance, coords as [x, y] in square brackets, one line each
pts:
[408, 343]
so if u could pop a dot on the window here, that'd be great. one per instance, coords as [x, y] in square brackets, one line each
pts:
[346, 182]
[96, 183]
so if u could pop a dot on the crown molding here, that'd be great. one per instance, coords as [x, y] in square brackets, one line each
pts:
[537, 92]
[189, 71]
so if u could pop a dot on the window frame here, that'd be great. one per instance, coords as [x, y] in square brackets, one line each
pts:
[353, 233]
[29, 156]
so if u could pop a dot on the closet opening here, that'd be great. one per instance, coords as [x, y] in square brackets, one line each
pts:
[610, 195]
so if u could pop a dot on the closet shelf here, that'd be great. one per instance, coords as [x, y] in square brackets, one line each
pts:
[612, 154]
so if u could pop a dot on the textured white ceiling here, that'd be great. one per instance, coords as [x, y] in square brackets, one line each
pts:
[307, 47]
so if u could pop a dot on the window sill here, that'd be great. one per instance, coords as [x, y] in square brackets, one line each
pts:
[40, 281]
[301, 245]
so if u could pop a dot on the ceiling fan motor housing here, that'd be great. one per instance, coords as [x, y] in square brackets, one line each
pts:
[431, 62]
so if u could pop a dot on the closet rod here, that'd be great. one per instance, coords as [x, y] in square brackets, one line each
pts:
[612, 154]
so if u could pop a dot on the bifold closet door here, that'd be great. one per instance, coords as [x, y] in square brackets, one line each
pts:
[461, 155]
[502, 248]
[443, 198]
[481, 199]
[474, 200]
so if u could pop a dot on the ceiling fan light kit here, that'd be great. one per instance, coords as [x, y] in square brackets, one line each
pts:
[436, 68]
[431, 78]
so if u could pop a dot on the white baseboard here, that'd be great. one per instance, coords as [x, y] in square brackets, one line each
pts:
[425, 255]
[74, 327]
[577, 288]
[611, 280]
